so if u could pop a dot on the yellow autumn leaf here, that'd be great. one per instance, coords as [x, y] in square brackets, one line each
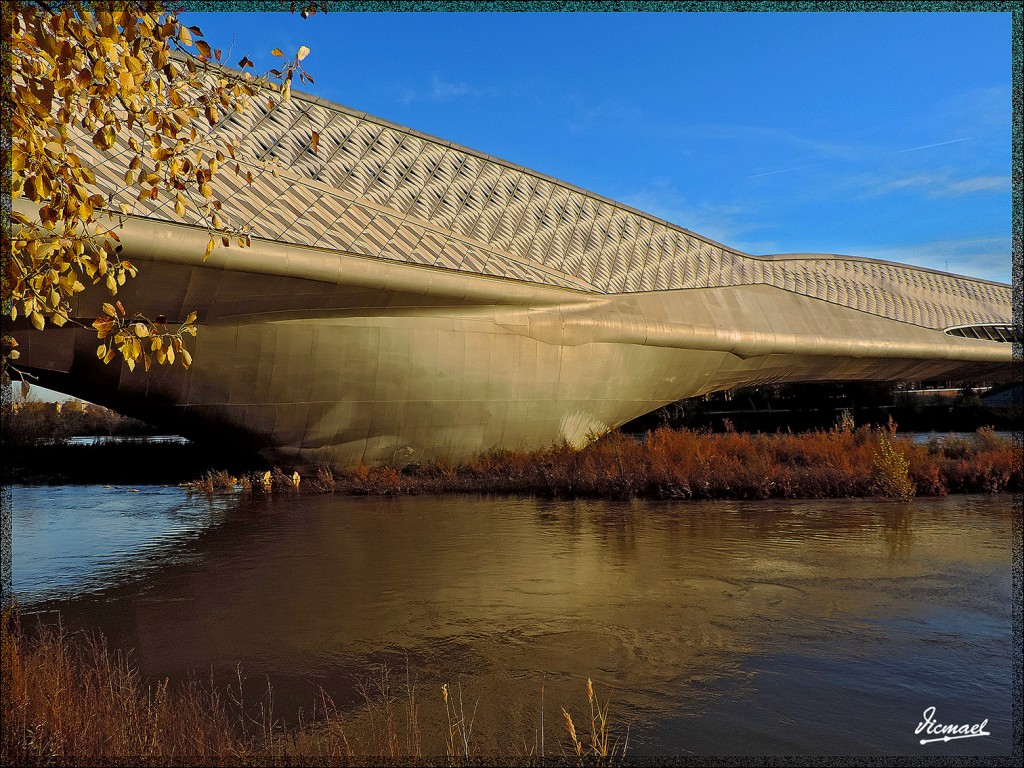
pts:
[106, 75]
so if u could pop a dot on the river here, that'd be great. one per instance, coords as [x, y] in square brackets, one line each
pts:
[757, 628]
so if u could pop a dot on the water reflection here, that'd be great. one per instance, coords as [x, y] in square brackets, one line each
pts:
[711, 626]
[75, 539]
[897, 529]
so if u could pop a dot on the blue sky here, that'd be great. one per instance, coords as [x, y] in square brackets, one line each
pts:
[884, 135]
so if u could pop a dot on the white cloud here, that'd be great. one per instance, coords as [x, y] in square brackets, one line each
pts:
[608, 117]
[986, 111]
[445, 90]
[723, 222]
[988, 258]
[941, 184]
[929, 146]
[980, 184]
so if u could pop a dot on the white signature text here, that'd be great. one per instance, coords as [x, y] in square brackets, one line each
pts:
[942, 732]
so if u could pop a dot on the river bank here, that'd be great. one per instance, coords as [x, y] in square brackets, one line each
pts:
[842, 462]
[75, 701]
[684, 464]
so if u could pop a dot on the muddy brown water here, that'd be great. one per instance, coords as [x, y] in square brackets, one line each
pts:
[796, 627]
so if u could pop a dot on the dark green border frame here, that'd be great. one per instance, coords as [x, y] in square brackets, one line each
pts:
[654, 6]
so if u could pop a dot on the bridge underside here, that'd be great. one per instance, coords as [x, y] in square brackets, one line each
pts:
[324, 358]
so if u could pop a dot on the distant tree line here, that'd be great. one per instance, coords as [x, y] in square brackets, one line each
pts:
[33, 423]
[807, 407]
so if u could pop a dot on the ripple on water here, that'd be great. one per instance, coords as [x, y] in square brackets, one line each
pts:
[816, 627]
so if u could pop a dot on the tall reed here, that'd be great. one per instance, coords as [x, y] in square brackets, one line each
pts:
[66, 702]
[595, 747]
[67, 699]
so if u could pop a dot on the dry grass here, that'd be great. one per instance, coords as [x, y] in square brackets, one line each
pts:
[68, 702]
[597, 746]
[67, 699]
[683, 464]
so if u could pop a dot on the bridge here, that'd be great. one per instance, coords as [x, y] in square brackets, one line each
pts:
[405, 298]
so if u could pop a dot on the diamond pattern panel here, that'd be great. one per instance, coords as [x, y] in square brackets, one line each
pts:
[382, 191]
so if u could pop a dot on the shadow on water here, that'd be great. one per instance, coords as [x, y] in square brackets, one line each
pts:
[816, 627]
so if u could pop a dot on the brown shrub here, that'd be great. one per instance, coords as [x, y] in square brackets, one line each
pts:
[684, 464]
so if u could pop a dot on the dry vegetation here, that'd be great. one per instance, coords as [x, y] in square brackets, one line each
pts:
[67, 699]
[684, 464]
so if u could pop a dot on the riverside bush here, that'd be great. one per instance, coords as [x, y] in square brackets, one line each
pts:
[684, 464]
[892, 470]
